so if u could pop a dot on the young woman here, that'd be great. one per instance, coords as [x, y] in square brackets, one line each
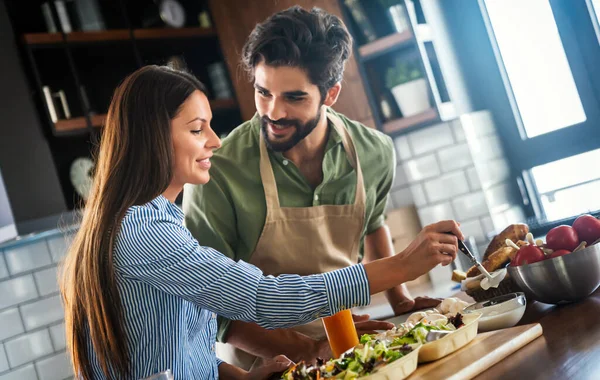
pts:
[141, 293]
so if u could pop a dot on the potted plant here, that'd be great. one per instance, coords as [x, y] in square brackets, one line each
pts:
[405, 80]
[396, 12]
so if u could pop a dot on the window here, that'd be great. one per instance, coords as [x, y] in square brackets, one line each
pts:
[594, 7]
[548, 54]
[536, 65]
[569, 186]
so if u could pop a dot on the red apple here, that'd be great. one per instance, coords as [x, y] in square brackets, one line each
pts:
[560, 252]
[588, 228]
[562, 237]
[528, 254]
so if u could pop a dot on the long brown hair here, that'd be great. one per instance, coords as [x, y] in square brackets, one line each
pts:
[133, 166]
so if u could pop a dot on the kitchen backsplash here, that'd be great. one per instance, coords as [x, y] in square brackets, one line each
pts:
[456, 170]
[32, 341]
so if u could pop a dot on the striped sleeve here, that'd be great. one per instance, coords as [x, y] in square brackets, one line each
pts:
[162, 253]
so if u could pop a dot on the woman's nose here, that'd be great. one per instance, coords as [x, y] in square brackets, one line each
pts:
[213, 142]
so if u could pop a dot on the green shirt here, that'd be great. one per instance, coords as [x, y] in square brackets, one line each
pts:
[228, 213]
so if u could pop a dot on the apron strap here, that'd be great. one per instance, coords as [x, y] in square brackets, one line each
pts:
[268, 177]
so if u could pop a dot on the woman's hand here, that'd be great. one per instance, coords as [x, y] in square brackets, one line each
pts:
[435, 244]
[432, 246]
[271, 366]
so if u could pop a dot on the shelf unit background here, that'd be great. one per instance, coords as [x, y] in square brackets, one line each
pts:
[374, 57]
[97, 61]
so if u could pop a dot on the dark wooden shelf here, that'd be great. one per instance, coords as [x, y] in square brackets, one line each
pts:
[76, 123]
[384, 44]
[42, 38]
[67, 125]
[411, 121]
[165, 33]
[116, 35]
[99, 36]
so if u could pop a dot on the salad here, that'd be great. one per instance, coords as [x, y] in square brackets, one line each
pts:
[369, 356]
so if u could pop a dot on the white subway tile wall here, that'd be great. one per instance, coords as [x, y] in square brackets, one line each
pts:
[57, 333]
[418, 195]
[473, 178]
[457, 170]
[486, 148]
[46, 280]
[32, 332]
[58, 245]
[3, 269]
[492, 172]
[473, 228]
[455, 157]
[25, 373]
[402, 197]
[27, 257]
[17, 290]
[29, 347]
[488, 224]
[499, 197]
[470, 206]
[403, 151]
[421, 168]
[57, 367]
[430, 139]
[458, 131]
[477, 124]
[3, 360]
[400, 179]
[446, 186]
[42, 313]
[435, 213]
[10, 324]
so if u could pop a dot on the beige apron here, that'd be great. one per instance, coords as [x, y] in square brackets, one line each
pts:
[305, 240]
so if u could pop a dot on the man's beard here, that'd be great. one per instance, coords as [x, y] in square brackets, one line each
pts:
[302, 130]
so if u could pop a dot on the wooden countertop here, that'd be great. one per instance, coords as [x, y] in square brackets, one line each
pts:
[568, 349]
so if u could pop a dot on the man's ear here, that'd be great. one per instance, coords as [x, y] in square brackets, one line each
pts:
[332, 94]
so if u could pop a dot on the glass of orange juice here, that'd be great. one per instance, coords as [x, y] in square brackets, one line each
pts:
[341, 332]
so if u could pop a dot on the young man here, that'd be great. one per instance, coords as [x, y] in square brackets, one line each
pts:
[299, 188]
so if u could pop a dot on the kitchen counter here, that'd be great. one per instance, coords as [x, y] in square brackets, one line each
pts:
[568, 349]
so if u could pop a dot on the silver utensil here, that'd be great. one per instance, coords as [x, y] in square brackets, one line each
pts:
[436, 334]
[493, 280]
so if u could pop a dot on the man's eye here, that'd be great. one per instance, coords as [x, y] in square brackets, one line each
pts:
[294, 98]
[263, 92]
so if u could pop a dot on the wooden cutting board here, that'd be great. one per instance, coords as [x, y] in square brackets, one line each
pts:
[483, 352]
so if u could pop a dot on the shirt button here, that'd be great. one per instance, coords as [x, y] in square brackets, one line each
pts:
[214, 315]
[316, 197]
[212, 348]
[285, 162]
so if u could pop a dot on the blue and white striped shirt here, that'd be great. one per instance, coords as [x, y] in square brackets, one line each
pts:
[171, 288]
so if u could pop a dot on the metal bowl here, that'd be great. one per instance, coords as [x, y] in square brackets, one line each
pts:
[563, 279]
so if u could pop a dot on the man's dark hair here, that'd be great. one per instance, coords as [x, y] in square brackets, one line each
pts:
[315, 41]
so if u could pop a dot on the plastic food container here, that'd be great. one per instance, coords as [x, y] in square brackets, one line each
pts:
[499, 312]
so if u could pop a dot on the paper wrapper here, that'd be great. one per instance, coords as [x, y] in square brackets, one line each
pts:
[508, 285]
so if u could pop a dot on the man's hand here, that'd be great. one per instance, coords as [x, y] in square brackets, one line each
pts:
[275, 365]
[365, 326]
[418, 303]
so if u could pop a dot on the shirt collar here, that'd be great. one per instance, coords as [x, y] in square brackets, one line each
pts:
[163, 204]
